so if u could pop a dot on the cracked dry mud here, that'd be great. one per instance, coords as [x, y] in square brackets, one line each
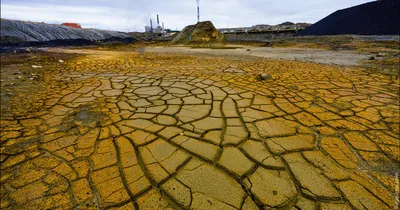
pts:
[165, 131]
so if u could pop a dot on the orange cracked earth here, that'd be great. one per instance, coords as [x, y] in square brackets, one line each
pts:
[114, 130]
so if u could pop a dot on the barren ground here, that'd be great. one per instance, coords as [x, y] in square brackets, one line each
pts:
[165, 128]
[345, 58]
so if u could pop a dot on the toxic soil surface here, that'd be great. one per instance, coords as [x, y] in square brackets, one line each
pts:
[347, 58]
[109, 129]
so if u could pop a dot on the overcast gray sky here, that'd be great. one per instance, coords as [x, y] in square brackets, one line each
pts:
[133, 15]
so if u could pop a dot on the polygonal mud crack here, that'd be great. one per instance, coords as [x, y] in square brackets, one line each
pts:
[192, 132]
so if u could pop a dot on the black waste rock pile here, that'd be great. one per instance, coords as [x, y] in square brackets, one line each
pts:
[14, 32]
[375, 18]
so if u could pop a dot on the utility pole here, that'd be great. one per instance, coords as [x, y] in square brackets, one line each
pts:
[198, 11]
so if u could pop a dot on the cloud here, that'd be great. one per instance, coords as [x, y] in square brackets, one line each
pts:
[89, 17]
[133, 15]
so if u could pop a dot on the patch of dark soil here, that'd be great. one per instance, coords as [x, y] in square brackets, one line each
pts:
[19, 78]
[382, 165]
[12, 46]
[83, 116]
[20, 146]
[87, 116]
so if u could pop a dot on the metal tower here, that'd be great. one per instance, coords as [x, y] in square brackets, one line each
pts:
[198, 11]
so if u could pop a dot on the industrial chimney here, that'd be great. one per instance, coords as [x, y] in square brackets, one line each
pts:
[158, 22]
[151, 26]
[198, 11]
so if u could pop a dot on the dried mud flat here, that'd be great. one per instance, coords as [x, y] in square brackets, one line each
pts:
[130, 130]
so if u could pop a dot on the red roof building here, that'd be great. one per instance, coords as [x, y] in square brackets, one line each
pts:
[74, 25]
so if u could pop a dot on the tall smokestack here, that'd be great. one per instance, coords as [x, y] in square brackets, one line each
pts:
[158, 21]
[163, 25]
[151, 26]
[198, 11]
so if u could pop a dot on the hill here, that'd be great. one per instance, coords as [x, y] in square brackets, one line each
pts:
[16, 32]
[374, 18]
[202, 32]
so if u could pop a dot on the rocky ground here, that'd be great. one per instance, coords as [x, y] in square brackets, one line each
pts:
[113, 129]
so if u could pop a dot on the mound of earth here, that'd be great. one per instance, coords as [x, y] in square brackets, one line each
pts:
[17, 32]
[374, 18]
[202, 32]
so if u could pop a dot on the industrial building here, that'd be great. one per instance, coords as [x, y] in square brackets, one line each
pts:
[73, 25]
[157, 30]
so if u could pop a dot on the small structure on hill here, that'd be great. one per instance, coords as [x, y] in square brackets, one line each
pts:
[202, 32]
[73, 25]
